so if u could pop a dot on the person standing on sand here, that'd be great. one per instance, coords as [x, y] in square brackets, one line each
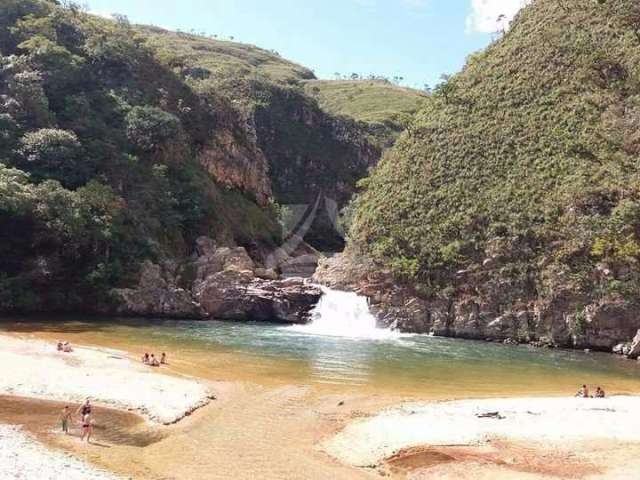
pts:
[84, 409]
[163, 359]
[87, 427]
[66, 416]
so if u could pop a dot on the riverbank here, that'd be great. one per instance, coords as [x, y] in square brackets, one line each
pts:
[34, 368]
[23, 457]
[403, 434]
[277, 423]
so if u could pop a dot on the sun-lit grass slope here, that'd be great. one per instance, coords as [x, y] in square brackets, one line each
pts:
[223, 58]
[385, 107]
[371, 101]
[529, 159]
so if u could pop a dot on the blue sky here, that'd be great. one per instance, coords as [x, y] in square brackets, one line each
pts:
[416, 39]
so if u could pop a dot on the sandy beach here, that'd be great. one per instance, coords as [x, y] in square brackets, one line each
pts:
[24, 458]
[461, 423]
[33, 368]
[290, 431]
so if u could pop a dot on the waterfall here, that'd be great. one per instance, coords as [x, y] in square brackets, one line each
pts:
[343, 314]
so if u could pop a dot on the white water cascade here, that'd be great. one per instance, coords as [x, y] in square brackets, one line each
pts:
[344, 314]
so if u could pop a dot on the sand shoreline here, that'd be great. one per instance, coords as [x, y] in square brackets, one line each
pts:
[25, 458]
[547, 420]
[33, 368]
[292, 431]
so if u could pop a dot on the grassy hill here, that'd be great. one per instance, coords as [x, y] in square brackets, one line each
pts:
[376, 102]
[223, 58]
[524, 166]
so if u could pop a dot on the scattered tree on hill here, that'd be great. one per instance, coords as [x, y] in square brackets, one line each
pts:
[149, 127]
[446, 88]
[54, 153]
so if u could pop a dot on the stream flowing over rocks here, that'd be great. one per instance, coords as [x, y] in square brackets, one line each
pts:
[475, 310]
[218, 282]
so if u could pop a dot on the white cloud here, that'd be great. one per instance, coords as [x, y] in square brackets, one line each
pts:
[489, 16]
[102, 14]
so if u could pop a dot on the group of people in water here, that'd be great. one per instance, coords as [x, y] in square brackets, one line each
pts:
[86, 420]
[152, 361]
[584, 393]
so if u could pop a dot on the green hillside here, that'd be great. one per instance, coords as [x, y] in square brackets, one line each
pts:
[120, 143]
[223, 58]
[376, 102]
[525, 165]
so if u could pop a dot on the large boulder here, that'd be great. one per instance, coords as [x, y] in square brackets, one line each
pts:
[156, 295]
[607, 324]
[218, 282]
[233, 295]
[302, 266]
[211, 259]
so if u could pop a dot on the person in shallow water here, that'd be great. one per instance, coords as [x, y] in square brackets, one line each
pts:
[599, 393]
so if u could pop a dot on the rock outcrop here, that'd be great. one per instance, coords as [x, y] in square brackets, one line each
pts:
[473, 310]
[220, 283]
[237, 165]
[157, 294]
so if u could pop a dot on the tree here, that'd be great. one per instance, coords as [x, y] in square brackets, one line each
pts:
[10, 12]
[16, 196]
[446, 88]
[51, 153]
[8, 135]
[148, 128]
[98, 208]
[28, 103]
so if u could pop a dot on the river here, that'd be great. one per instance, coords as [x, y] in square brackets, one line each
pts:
[342, 349]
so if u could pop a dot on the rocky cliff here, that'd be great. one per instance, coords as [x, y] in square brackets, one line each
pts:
[216, 282]
[476, 309]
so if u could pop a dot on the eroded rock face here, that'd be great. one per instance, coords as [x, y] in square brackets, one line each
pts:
[157, 295]
[474, 310]
[237, 165]
[226, 285]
